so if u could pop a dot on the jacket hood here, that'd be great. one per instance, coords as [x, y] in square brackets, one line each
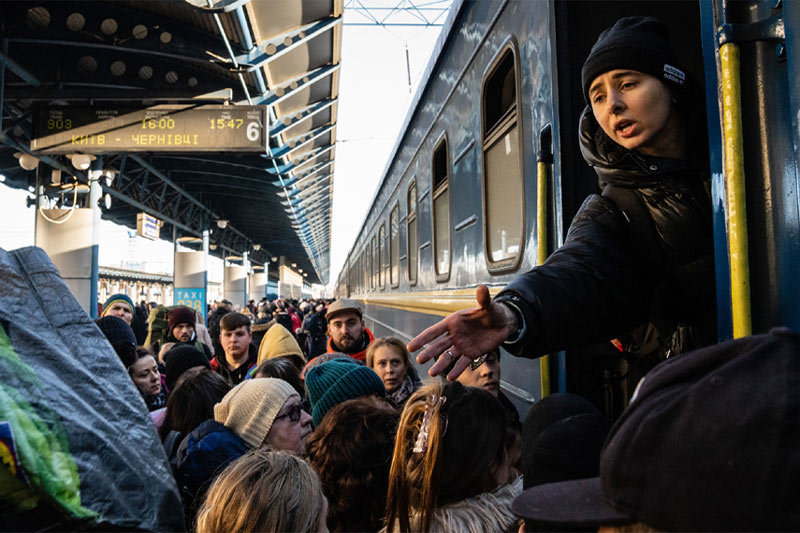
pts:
[278, 342]
[621, 167]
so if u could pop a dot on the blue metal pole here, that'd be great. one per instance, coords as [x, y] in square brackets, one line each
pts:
[95, 193]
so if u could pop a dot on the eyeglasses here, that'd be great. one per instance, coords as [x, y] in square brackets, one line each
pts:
[475, 363]
[293, 413]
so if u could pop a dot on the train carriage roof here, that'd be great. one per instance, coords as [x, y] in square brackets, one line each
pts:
[282, 54]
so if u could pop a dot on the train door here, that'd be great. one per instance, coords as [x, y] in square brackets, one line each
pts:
[598, 372]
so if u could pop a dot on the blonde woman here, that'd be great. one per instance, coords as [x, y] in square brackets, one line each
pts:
[264, 491]
[450, 469]
[389, 358]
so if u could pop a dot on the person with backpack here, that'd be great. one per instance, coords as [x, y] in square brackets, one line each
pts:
[638, 258]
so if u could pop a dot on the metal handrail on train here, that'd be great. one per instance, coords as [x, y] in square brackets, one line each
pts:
[735, 187]
[544, 158]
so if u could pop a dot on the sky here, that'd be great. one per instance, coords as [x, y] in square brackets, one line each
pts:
[374, 96]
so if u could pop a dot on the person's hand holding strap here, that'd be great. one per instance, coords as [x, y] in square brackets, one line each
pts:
[465, 335]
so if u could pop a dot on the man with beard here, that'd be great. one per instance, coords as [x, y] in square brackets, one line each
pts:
[346, 330]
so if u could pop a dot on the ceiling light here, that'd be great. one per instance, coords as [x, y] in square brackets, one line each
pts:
[294, 265]
[222, 223]
[27, 161]
[273, 259]
[212, 246]
[256, 246]
[81, 161]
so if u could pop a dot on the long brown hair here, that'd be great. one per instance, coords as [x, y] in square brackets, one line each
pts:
[459, 458]
[351, 451]
[263, 491]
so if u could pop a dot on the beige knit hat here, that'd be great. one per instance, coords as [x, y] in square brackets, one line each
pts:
[278, 342]
[251, 406]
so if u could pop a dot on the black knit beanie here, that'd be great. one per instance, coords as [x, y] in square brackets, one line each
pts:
[636, 43]
[181, 358]
[121, 337]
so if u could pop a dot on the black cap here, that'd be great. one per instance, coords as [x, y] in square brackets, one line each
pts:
[120, 336]
[636, 43]
[181, 358]
[562, 437]
[711, 441]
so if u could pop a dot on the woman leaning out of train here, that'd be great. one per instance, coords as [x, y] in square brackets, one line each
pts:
[638, 258]
[436, 482]
[390, 359]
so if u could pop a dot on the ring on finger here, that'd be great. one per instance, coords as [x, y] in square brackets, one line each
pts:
[451, 355]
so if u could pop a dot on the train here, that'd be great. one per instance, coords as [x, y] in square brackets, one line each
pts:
[486, 173]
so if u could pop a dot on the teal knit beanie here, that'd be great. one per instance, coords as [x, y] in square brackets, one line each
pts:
[337, 381]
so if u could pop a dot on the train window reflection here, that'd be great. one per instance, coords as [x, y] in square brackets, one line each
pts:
[382, 256]
[441, 210]
[394, 246]
[374, 262]
[413, 242]
[502, 164]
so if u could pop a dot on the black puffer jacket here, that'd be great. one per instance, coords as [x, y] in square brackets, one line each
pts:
[609, 279]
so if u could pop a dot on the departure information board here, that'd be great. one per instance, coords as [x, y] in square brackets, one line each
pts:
[161, 128]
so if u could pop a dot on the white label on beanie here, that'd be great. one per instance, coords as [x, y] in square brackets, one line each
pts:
[674, 74]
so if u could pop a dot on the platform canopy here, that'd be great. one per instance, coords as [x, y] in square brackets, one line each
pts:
[62, 60]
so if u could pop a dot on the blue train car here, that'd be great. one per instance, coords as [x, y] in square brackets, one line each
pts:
[487, 174]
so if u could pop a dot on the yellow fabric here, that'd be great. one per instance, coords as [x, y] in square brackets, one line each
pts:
[278, 341]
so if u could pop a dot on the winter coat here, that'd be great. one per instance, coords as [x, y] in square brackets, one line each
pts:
[487, 512]
[316, 326]
[201, 456]
[642, 252]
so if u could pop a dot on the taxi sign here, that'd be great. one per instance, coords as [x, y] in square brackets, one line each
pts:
[161, 128]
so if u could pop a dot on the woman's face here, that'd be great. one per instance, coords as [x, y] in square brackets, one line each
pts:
[145, 375]
[390, 366]
[637, 112]
[291, 428]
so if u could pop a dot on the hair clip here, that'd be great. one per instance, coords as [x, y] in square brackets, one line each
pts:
[421, 444]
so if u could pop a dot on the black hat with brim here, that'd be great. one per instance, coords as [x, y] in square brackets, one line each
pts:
[577, 503]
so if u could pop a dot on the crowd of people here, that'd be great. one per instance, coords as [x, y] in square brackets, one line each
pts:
[293, 416]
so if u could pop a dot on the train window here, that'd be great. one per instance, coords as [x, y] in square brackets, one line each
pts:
[413, 241]
[503, 191]
[374, 262]
[441, 209]
[382, 255]
[394, 246]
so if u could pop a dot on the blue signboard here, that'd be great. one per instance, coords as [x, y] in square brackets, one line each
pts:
[194, 298]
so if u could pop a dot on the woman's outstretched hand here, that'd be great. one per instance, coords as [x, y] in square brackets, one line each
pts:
[465, 335]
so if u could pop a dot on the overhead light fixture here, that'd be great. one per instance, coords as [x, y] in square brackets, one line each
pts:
[305, 274]
[300, 270]
[107, 201]
[27, 161]
[222, 223]
[109, 175]
[294, 265]
[273, 259]
[256, 246]
[212, 246]
[81, 161]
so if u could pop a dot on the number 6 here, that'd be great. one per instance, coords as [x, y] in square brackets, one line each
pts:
[252, 131]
